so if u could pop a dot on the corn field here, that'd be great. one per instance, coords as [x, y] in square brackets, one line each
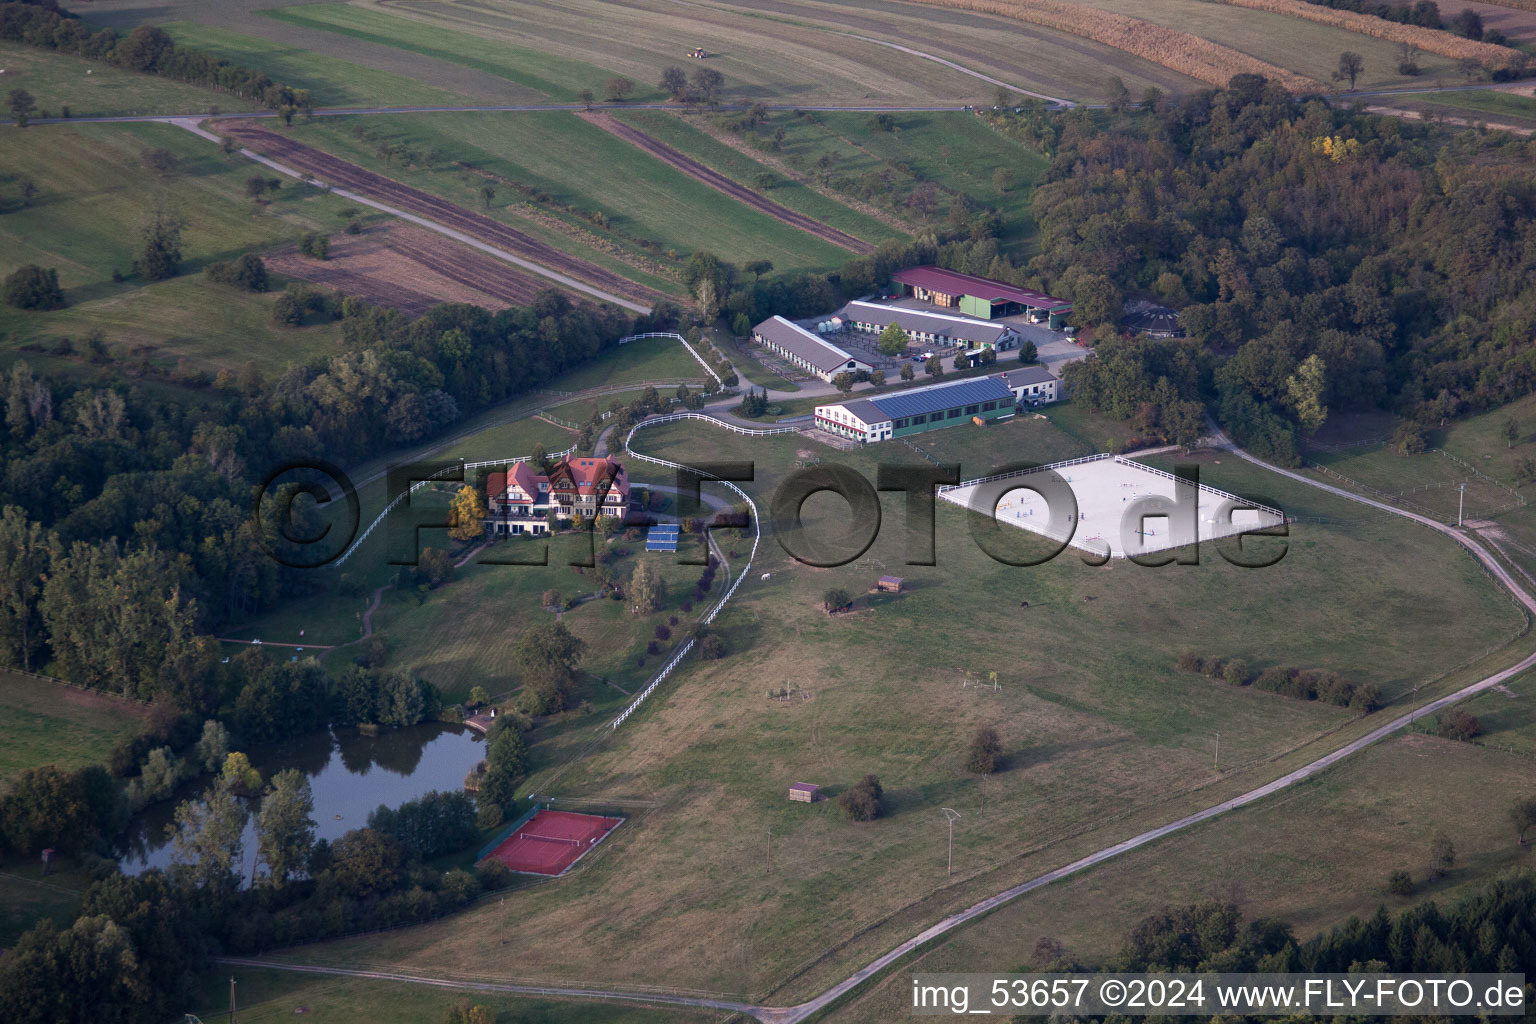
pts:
[1428, 39]
[1178, 51]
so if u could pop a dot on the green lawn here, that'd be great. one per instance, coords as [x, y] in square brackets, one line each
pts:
[26, 896]
[959, 152]
[1103, 734]
[93, 193]
[537, 71]
[580, 165]
[1311, 858]
[331, 82]
[268, 996]
[1475, 105]
[690, 141]
[49, 723]
[90, 88]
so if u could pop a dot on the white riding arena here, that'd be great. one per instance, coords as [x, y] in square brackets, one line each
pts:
[1106, 504]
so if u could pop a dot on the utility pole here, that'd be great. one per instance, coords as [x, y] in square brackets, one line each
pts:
[1217, 763]
[231, 999]
[951, 816]
[1461, 502]
[770, 851]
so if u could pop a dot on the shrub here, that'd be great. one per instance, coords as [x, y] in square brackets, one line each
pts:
[1236, 672]
[34, 287]
[1367, 698]
[1400, 883]
[247, 272]
[315, 245]
[862, 800]
[1457, 724]
[1275, 679]
[986, 751]
[1189, 661]
[1334, 689]
[1215, 667]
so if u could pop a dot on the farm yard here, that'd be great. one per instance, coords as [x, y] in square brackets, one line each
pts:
[1101, 730]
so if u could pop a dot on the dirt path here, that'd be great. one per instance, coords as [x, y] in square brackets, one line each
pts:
[720, 183]
[1465, 122]
[335, 171]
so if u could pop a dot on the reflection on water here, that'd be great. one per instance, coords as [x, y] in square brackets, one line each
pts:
[350, 775]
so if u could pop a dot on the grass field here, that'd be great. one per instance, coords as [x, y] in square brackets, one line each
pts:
[581, 165]
[26, 897]
[1311, 858]
[93, 192]
[1485, 105]
[959, 152]
[689, 140]
[59, 80]
[268, 996]
[1102, 734]
[1305, 47]
[330, 81]
[534, 68]
[807, 51]
[48, 723]
[1430, 483]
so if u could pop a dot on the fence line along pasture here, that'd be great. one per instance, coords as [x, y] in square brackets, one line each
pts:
[757, 535]
[681, 341]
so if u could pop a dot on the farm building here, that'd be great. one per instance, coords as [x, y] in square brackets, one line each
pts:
[520, 500]
[890, 584]
[927, 328]
[805, 350]
[980, 297]
[1032, 385]
[918, 409]
[1153, 320]
[804, 792]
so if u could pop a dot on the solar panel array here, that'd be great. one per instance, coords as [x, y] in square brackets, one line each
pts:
[662, 538]
[943, 397]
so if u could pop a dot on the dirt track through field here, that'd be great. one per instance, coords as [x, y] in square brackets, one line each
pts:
[720, 183]
[336, 171]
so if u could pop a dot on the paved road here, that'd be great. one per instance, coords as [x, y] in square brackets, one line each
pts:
[800, 1012]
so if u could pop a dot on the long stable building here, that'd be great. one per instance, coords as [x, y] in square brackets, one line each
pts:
[806, 350]
[915, 410]
[927, 328]
[981, 297]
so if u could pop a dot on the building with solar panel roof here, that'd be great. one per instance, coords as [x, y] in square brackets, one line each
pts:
[915, 410]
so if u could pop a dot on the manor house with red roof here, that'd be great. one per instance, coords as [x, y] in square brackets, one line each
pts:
[521, 499]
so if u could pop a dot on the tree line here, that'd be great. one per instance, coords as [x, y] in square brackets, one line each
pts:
[146, 49]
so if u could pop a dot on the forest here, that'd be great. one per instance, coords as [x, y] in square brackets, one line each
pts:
[1323, 259]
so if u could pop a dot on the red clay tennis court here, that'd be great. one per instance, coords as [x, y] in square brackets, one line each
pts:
[551, 841]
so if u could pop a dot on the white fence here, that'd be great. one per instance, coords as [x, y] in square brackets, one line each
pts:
[717, 421]
[681, 341]
[421, 483]
[757, 536]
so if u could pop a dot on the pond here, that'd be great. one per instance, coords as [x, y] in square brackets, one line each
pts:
[349, 773]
